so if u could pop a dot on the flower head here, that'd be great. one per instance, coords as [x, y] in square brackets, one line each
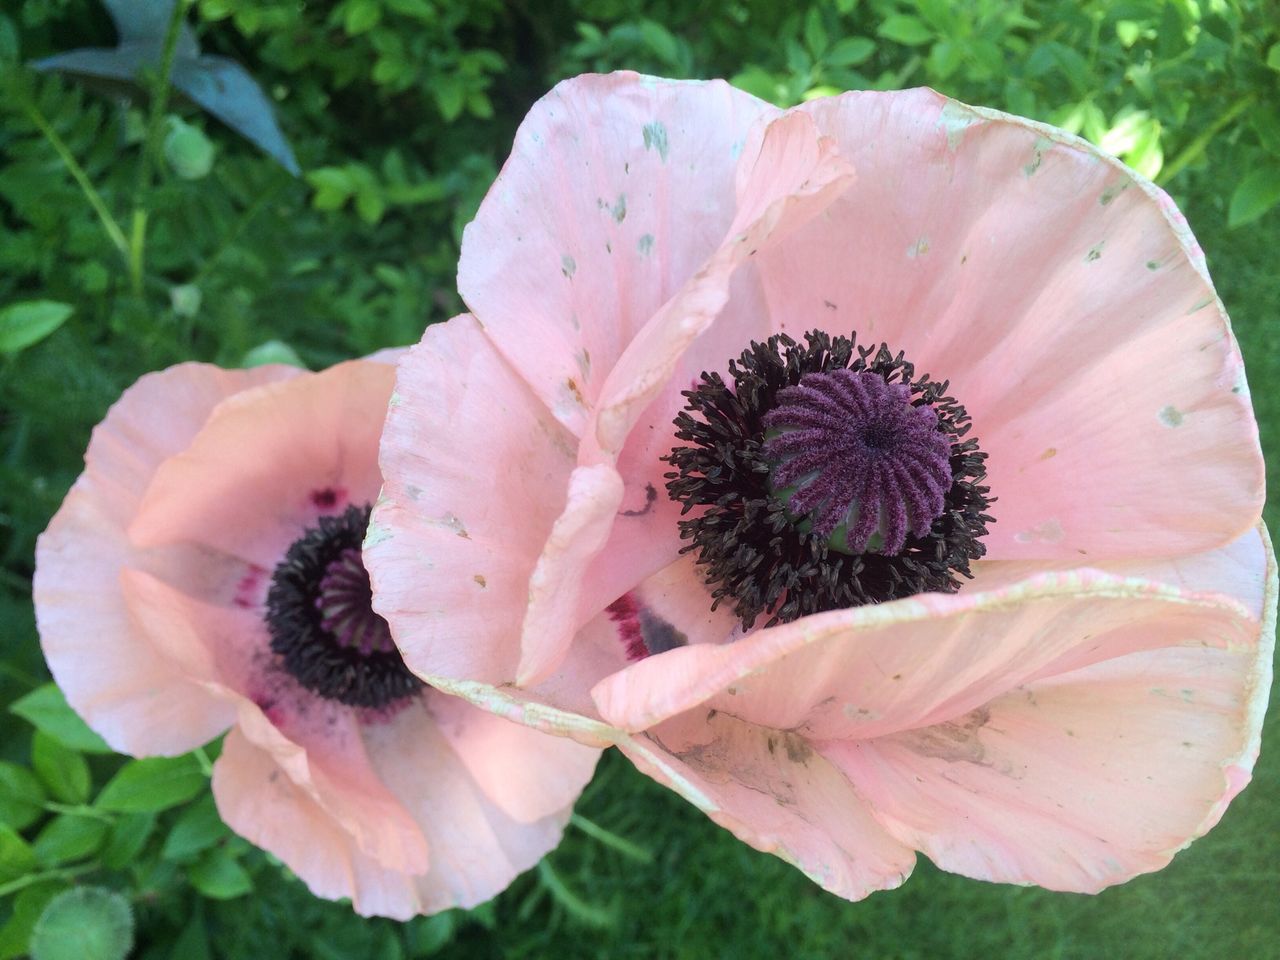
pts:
[205, 573]
[879, 474]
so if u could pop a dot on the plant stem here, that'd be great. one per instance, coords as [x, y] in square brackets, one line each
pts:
[109, 224]
[78, 810]
[1198, 145]
[151, 145]
[66, 873]
[609, 839]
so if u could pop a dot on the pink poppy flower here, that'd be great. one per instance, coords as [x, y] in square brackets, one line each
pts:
[1015, 613]
[204, 574]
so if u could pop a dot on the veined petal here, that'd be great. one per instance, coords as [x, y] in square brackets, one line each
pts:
[772, 791]
[141, 701]
[1067, 307]
[303, 448]
[868, 671]
[616, 189]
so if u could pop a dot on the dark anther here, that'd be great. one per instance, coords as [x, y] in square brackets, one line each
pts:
[827, 476]
[322, 624]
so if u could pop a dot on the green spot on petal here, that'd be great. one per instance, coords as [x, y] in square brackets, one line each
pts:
[655, 138]
[568, 266]
[1170, 416]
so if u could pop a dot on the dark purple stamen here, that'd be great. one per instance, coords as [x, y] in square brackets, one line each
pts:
[345, 602]
[322, 623]
[858, 454]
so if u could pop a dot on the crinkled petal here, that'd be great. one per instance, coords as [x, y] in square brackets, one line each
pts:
[140, 701]
[1068, 309]
[527, 774]
[792, 175]
[617, 188]
[1078, 781]
[771, 790]
[258, 800]
[475, 475]
[873, 670]
[476, 848]
[269, 462]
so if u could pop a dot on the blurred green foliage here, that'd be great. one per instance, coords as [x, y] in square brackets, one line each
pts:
[132, 238]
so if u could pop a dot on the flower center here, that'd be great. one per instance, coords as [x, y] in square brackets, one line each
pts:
[854, 454]
[827, 476]
[322, 622]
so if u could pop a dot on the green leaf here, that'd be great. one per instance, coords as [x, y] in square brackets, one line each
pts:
[198, 829]
[450, 95]
[361, 16]
[87, 923]
[187, 150]
[30, 321]
[193, 942]
[428, 935]
[1257, 193]
[850, 52]
[16, 856]
[69, 837]
[272, 351]
[155, 783]
[27, 907]
[63, 770]
[21, 796]
[905, 29]
[47, 710]
[128, 836]
[815, 34]
[219, 875]
[1273, 57]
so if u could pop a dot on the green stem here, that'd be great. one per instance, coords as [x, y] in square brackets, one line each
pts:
[202, 758]
[109, 224]
[609, 839]
[66, 873]
[78, 810]
[1197, 146]
[151, 145]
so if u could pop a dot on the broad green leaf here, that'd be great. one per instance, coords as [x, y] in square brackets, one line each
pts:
[428, 935]
[27, 907]
[16, 856]
[154, 783]
[128, 836]
[47, 710]
[850, 52]
[86, 923]
[218, 875]
[193, 942]
[30, 321]
[905, 29]
[198, 829]
[1257, 193]
[273, 351]
[63, 770]
[815, 34]
[1273, 57]
[69, 837]
[187, 150]
[21, 796]
[450, 96]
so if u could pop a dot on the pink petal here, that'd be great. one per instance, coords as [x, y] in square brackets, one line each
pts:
[320, 745]
[555, 588]
[1068, 309]
[873, 670]
[476, 847]
[616, 189]
[527, 774]
[258, 800]
[141, 702]
[791, 176]
[771, 790]
[1079, 781]
[269, 462]
[475, 471]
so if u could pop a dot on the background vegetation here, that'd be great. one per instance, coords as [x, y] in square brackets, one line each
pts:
[137, 231]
